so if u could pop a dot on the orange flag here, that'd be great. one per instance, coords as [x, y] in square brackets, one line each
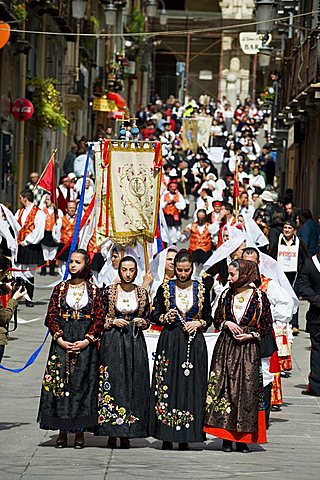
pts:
[47, 180]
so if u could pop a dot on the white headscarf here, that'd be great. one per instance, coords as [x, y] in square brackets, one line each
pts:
[270, 268]
[158, 269]
[236, 238]
[254, 233]
[108, 274]
[5, 224]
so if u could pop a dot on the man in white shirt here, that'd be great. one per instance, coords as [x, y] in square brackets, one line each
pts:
[32, 222]
[172, 203]
[256, 179]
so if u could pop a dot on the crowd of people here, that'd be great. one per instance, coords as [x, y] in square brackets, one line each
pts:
[249, 255]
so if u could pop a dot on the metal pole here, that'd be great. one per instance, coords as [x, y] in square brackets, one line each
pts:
[21, 136]
[254, 77]
[77, 51]
[187, 62]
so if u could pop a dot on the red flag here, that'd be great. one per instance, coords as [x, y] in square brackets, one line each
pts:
[47, 180]
[236, 186]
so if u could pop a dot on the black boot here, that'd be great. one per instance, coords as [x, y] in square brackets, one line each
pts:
[43, 271]
[30, 290]
[52, 265]
[227, 446]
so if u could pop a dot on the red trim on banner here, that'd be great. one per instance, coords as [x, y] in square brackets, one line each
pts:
[157, 162]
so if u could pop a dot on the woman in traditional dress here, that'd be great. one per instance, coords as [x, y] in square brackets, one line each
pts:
[234, 404]
[75, 319]
[124, 384]
[180, 372]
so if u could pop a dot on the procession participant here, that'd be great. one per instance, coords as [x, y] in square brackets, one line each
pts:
[65, 194]
[217, 205]
[226, 217]
[75, 320]
[244, 207]
[179, 380]
[290, 253]
[234, 407]
[109, 272]
[63, 232]
[124, 369]
[186, 183]
[200, 245]
[282, 308]
[172, 203]
[7, 313]
[309, 288]
[9, 228]
[38, 192]
[162, 269]
[49, 246]
[215, 269]
[32, 221]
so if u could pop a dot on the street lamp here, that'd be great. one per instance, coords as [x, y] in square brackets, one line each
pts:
[110, 12]
[78, 9]
[151, 8]
[264, 15]
[152, 11]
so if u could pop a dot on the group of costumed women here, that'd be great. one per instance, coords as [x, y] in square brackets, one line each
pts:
[97, 374]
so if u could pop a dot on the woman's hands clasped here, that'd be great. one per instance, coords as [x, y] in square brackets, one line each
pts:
[72, 347]
[237, 332]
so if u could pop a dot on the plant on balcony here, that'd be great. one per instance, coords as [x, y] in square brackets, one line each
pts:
[267, 97]
[20, 10]
[47, 104]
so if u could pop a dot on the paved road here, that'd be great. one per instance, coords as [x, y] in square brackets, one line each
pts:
[28, 453]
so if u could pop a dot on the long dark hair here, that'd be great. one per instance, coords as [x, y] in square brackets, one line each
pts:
[85, 273]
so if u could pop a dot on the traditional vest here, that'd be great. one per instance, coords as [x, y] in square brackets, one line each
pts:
[264, 283]
[200, 241]
[92, 245]
[67, 229]
[222, 225]
[50, 219]
[28, 226]
[171, 209]
[62, 202]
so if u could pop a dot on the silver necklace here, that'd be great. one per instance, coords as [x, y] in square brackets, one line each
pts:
[187, 366]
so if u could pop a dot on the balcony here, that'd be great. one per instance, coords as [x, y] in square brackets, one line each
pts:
[61, 10]
[6, 10]
[301, 74]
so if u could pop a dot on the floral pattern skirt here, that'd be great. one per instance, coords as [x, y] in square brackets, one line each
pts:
[124, 385]
[177, 401]
[235, 403]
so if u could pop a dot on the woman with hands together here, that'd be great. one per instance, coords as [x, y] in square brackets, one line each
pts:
[234, 404]
[75, 319]
[124, 370]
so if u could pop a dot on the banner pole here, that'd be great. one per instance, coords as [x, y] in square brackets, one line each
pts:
[146, 256]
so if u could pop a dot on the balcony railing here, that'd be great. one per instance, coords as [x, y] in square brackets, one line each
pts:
[301, 70]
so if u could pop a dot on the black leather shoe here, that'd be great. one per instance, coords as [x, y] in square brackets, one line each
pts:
[78, 441]
[125, 443]
[184, 447]
[227, 446]
[307, 392]
[167, 446]
[29, 304]
[242, 447]
[112, 443]
[61, 442]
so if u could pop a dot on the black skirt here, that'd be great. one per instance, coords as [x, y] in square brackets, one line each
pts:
[124, 384]
[171, 222]
[30, 255]
[199, 256]
[177, 401]
[69, 400]
[48, 239]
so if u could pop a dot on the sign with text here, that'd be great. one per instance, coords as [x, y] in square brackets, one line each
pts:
[251, 42]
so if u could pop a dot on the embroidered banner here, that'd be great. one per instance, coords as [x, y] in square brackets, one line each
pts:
[127, 190]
